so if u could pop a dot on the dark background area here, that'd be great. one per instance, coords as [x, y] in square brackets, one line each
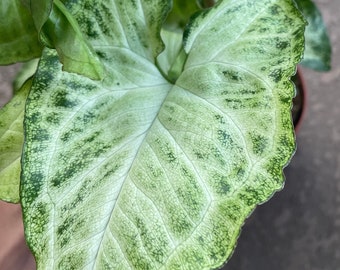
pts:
[299, 228]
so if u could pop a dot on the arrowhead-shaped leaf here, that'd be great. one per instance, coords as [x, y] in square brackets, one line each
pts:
[134, 172]
[11, 141]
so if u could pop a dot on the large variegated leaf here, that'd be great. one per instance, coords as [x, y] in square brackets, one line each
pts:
[134, 172]
[11, 141]
[317, 45]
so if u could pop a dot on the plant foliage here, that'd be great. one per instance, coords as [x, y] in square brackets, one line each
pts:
[318, 51]
[146, 146]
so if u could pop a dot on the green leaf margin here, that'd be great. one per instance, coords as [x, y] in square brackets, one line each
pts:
[11, 143]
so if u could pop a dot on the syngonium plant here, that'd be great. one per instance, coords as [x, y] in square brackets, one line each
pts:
[143, 137]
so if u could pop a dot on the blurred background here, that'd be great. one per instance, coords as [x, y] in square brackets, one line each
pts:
[299, 228]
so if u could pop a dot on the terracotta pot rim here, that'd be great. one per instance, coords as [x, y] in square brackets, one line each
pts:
[303, 93]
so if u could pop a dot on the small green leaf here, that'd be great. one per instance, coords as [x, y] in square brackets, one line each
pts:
[40, 10]
[318, 51]
[11, 141]
[18, 36]
[61, 31]
[26, 71]
[58, 29]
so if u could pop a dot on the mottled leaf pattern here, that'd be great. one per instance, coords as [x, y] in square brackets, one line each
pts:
[11, 141]
[134, 172]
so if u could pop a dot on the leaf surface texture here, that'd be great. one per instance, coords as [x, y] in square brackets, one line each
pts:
[135, 172]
